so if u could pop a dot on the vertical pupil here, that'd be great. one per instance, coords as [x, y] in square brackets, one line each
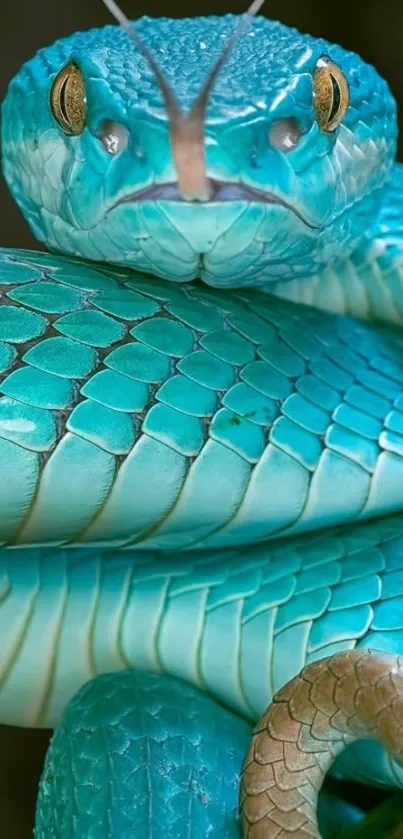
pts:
[63, 98]
[336, 99]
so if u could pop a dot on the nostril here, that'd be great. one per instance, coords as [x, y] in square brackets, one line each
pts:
[114, 136]
[284, 134]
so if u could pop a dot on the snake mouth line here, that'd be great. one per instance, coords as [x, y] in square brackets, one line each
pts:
[220, 192]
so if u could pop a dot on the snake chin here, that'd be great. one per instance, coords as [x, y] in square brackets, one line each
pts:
[227, 241]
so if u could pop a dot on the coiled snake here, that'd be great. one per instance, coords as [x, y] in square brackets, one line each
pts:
[203, 477]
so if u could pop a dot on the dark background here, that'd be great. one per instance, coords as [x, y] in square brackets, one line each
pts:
[373, 28]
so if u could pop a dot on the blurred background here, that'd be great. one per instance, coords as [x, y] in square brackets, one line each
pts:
[373, 29]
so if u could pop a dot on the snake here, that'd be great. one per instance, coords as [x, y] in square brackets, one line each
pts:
[201, 427]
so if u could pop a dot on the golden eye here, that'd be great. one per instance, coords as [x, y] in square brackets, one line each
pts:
[68, 99]
[331, 94]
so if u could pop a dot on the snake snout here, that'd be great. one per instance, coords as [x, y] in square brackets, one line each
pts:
[187, 131]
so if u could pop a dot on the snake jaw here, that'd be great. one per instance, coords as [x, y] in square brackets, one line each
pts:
[219, 192]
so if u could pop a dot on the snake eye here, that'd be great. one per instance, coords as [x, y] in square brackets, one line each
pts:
[68, 99]
[331, 94]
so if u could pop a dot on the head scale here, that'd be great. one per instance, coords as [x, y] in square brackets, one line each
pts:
[189, 151]
[187, 132]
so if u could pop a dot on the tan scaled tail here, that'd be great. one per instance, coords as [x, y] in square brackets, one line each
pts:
[352, 695]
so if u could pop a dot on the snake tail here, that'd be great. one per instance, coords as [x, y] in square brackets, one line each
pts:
[138, 753]
[334, 701]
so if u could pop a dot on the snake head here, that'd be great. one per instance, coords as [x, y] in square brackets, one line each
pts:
[299, 140]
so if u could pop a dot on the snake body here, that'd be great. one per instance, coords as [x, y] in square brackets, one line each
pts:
[159, 440]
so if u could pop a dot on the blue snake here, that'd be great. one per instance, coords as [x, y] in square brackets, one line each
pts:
[201, 440]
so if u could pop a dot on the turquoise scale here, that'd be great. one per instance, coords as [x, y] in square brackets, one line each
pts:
[162, 409]
[159, 439]
[68, 615]
[203, 748]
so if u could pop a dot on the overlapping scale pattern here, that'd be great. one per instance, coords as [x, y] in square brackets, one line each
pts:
[353, 695]
[253, 616]
[367, 284]
[163, 742]
[124, 401]
[140, 415]
[80, 200]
